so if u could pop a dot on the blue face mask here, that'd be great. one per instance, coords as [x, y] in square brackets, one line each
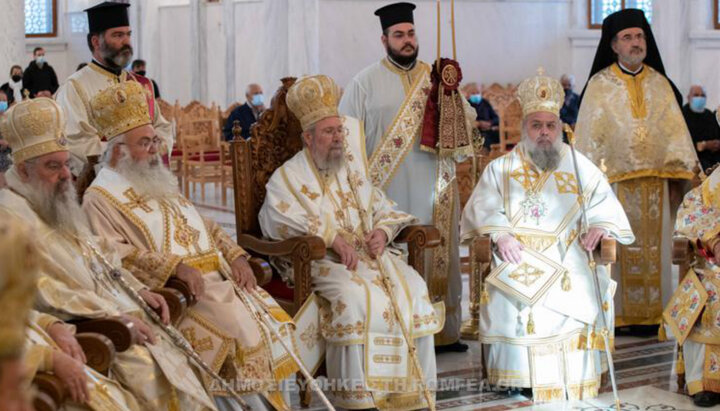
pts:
[697, 104]
[257, 100]
[3, 106]
[476, 98]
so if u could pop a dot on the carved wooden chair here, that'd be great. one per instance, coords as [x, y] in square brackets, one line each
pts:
[504, 101]
[51, 392]
[226, 177]
[171, 112]
[224, 115]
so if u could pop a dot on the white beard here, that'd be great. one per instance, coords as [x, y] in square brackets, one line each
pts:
[148, 178]
[57, 206]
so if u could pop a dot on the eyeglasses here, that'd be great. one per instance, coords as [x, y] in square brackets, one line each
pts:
[331, 132]
[146, 143]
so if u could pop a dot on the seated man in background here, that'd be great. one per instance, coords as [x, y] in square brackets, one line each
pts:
[487, 120]
[703, 127]
[247, 114]
[135, 204]
[73, 282]
[571, 104]
[324, 190]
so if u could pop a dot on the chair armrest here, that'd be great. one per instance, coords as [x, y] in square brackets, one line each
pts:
[51, 392]
[261, 269]
[310, 246]
[176, 301]
[681, 251]
[113, 328]
[607, 251]
[421, 235]
[98, 349]
[482, 249]
[184, 289]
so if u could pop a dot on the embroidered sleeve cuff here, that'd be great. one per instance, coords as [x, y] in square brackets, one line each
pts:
[152, 269]
[235, 253]
[389, 232]
[329, 238]
[45, 321]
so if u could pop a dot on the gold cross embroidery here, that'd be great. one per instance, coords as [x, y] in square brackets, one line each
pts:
[136, 201]
[526, 274]
[311, 195]
[525, 175]
[566, 183]
[203, 344]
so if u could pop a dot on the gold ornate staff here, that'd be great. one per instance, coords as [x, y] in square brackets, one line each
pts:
[387, 285]
[593, 266]
[175, 336]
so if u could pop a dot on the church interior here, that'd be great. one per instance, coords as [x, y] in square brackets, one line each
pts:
[221, 79]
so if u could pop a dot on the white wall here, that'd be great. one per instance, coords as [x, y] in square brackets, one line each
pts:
[500, 41]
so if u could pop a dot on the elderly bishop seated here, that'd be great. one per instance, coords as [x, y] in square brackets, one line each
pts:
[324, 190]
[73, 281]
[135, 204]
[539, 318]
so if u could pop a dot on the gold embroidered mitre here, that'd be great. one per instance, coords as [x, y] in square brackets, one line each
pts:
[120, 108]
[541, 93]
[34, 128]
[312, 99]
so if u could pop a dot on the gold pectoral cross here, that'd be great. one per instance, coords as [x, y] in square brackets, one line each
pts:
[136, 201]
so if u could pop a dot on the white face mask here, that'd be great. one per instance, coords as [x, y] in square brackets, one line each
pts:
[40, 60]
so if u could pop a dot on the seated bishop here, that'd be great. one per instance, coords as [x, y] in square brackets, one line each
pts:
[698, 220]
[367, 289]
[74, 281]
[135, 204]
[540, 318]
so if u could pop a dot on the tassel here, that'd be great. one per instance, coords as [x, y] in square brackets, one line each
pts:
[484, 296]
[565, 283]
[680, 365]
[662, 334]
[530, 324]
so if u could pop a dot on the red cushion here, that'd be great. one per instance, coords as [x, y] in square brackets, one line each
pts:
[213, 156]
[278, 289]
[176, 152]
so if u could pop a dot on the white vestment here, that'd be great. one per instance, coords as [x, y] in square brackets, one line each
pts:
[74, 285]
[74, 97]
[377, 96]
[551, 343]
[367, 356]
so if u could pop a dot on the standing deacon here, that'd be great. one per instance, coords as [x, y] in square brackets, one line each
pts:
[389, 97]
[134, 203]
[324, 190]
[109, 43]
[73, 281]
[539, 318]
[631, 124]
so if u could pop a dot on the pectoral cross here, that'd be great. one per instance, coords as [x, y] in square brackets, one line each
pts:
[136, 201]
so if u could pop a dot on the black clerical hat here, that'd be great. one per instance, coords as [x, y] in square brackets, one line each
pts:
[617, 22]
[107, 15]
[395, 13]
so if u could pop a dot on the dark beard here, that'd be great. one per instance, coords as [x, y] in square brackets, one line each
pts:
[405, 61]
[111, 55]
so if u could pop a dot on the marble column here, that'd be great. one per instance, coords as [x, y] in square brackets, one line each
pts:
[198, 50]
[12, 33]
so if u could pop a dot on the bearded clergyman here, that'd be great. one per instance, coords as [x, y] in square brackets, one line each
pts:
[74, 282]
[539, 315]
[135, 204]
[324, 190]
[109, 41]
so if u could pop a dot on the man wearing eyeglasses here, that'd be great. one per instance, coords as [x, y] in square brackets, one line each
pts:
[630, 124]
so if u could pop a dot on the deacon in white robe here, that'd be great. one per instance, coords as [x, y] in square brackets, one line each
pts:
[73, 281]
[134, 203]
[539, 315]
[110, 45]
[324, 190]
[389, 98]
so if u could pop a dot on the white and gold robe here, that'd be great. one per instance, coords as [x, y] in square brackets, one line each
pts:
[560, 355]
[73, 285]
[74, 97]
[105, 393]
[390, 103]
[633, 126]
[365, 345]
[152, 238]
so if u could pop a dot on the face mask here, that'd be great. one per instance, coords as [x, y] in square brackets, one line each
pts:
[697, 104]
[40, 59]
[476, 98]
[3, 106]
[257, 100]
[141, 72]
[16, 78]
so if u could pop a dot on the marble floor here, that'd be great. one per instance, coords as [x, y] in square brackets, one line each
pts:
[644, 366]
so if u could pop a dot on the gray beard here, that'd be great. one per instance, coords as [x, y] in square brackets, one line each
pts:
[545, 158]
[330, 165]
[58, 207]
[148, 178]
